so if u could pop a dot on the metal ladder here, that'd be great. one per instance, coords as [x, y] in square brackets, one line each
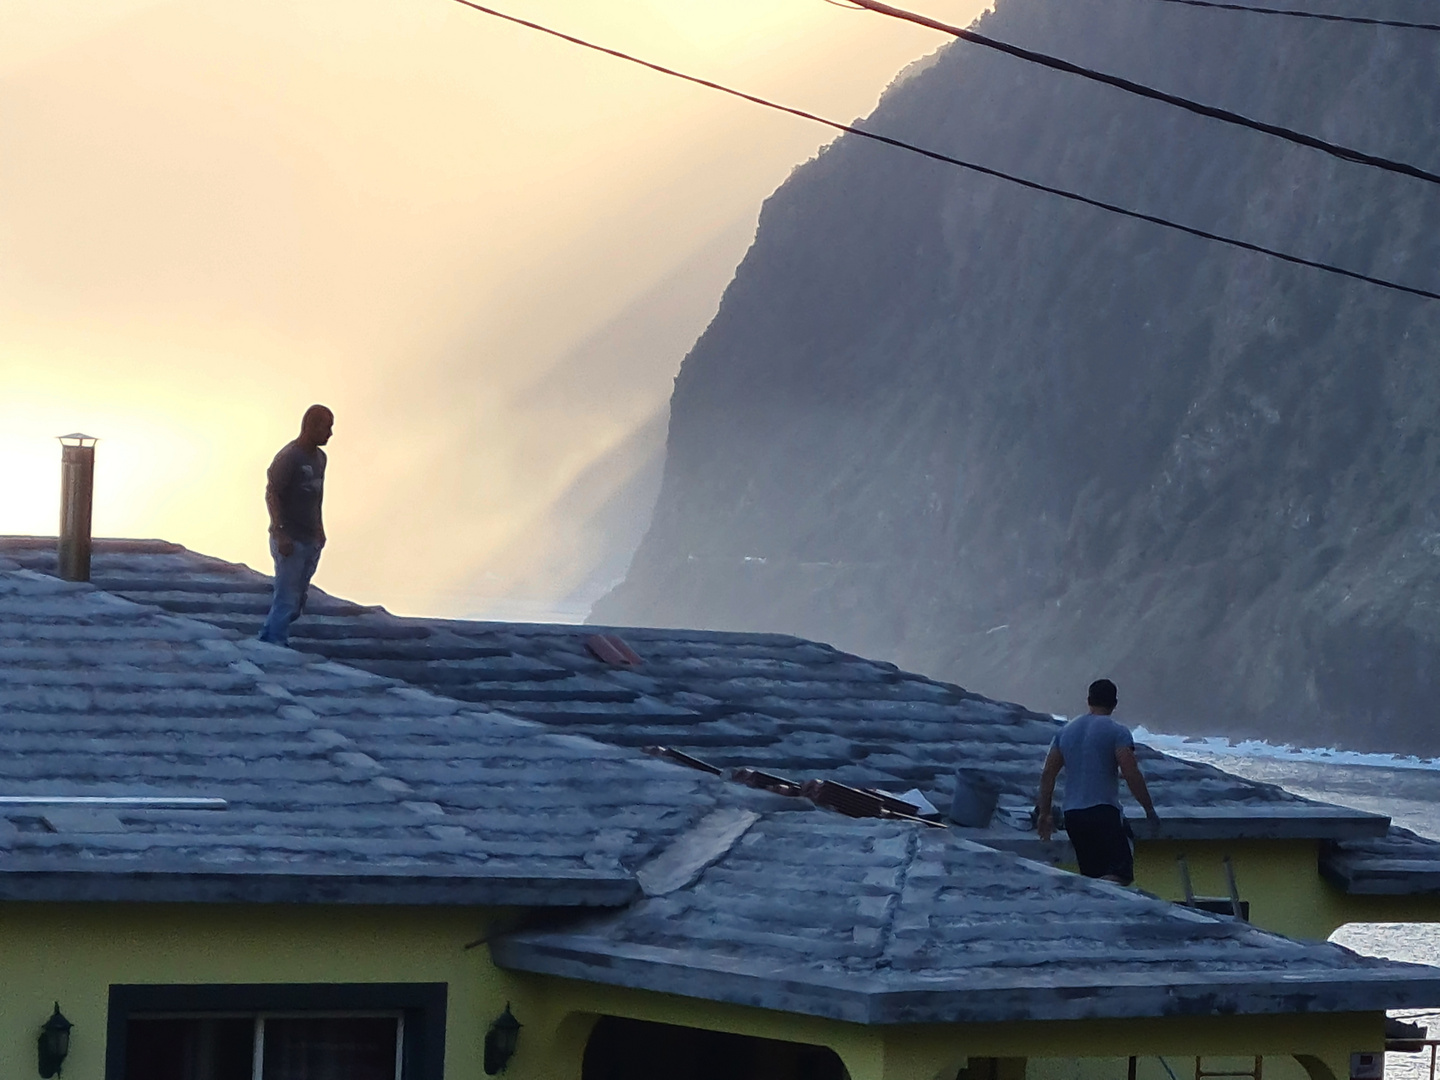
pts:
[1202, 1073]
[1208, 903]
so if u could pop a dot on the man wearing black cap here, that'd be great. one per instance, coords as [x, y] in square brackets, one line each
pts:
[1095, 751]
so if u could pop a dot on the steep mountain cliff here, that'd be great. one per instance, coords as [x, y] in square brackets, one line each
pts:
[1020, 443]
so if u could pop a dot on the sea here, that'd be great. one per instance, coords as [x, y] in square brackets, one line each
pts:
[1405, 788]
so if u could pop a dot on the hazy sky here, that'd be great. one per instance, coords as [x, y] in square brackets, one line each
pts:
[487, 250]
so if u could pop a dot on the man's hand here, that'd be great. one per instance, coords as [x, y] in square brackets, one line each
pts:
[1045, 824]
[1044, 805]
[1135, 779]
[1152, 823]
[284, 544]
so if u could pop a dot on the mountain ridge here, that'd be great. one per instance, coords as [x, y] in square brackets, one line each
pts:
[1019, 443]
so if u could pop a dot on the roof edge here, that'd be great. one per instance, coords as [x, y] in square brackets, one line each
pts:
[1396, 879]
[1314, 822]
[267, 888]
[862, 998]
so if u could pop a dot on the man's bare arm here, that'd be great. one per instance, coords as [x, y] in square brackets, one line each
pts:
[1044, 820]
[277, 519]
[1130, 770]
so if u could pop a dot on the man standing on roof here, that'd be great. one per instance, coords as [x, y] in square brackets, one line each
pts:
[293, 493]
[1095, 751]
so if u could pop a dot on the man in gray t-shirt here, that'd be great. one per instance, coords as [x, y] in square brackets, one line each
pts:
[1095, 751]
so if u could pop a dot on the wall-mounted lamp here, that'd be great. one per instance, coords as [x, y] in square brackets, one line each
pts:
[500, 1042]
[54, 1043]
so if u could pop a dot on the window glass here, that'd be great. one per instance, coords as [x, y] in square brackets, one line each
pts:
[204, 1049]
[330, 1048]
[290, 1047]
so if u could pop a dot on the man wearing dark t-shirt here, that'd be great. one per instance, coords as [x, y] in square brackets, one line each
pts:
[1095, 751]
[294, 491]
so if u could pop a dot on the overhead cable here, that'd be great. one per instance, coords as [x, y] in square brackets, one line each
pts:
[1326, 16]
[1345, 153]
[934, 155]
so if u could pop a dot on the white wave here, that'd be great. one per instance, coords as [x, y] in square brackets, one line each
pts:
[1214, 745]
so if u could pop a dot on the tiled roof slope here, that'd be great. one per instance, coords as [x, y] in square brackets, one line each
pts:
[883, 923]
[342, 785]
[346, 786]
[768, 701]
[1399, 863]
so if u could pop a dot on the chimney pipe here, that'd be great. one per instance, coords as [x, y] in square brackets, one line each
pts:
[77, 489]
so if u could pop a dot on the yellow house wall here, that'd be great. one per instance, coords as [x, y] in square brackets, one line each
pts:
[1280, 878]
[1274, 1067]
[936, 1052]
[73, 953]
[1093, 1049]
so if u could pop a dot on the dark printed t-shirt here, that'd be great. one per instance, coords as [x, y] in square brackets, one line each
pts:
[297, 486]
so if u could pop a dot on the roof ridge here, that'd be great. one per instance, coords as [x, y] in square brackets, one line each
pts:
[892, 913]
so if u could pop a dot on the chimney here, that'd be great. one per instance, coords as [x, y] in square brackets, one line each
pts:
[77, 488]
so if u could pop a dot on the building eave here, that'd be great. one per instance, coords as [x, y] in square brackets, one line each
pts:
[872, 998]
[263, 887]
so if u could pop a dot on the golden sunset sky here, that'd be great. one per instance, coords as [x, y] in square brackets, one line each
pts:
[487, 250]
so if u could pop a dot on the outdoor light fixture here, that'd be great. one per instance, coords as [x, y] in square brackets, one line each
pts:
[500, 1042]
[54, 1043]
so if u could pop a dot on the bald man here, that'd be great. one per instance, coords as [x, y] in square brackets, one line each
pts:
[294, 490]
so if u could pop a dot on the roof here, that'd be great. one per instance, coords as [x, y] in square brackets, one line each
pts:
[1400, 863]
[347, 785]
[883, 923]
[341, 785]
[768, 701]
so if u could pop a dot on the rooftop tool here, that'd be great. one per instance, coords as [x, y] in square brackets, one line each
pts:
[612, 649]
[669, 753]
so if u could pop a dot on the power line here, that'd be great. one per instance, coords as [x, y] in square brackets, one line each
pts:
[983, 170]
[1307, 15]
[1345, 153]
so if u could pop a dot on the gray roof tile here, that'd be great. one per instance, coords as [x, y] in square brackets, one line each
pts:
[324, 768]
[880, 922]
[344, 785]
[1400, 863]
[767, 701]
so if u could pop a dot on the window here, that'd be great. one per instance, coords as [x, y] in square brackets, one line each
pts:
[303, 1047]
[363, 1031]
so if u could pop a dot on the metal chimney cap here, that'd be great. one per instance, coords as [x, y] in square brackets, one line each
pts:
[75, 438]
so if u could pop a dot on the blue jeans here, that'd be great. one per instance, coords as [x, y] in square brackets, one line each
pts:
[292, 583]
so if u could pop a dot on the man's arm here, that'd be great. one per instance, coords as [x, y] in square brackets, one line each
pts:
[1044, 821]
[278, 477]
[1130, 770]
[319, 519]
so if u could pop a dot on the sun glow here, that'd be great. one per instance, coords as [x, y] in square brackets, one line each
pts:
[486, 250]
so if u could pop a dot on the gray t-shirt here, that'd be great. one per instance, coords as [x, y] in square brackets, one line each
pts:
[1088, 744]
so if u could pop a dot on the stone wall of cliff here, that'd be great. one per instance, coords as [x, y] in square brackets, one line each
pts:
[1020, 443]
